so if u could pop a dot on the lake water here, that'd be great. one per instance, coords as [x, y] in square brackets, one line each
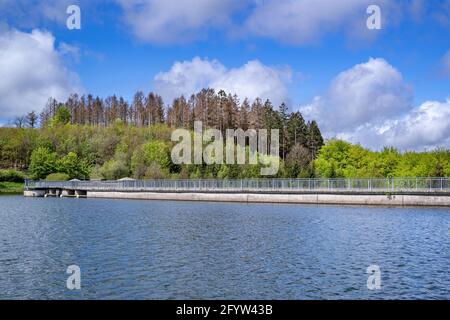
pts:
[191, 250]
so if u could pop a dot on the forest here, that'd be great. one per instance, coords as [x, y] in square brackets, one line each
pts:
[93, 138]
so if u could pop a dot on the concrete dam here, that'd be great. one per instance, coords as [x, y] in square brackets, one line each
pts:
[387, 192]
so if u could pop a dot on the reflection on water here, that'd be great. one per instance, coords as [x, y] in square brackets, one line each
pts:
[181, 250]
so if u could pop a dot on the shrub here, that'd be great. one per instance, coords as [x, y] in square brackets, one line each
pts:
[95, 173]
[11, 176]
[57, 177]
[154, 171]
[116, 168]
[138, 164]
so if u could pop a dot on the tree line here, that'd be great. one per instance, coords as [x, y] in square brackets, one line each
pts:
[216, 110]
[89, 137]
[120, 150]
[340, 159]
[93, 138]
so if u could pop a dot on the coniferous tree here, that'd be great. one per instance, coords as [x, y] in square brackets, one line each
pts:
[256, 114]
[72, 104]
[97, 110]
[222, 100]
[48, 112]
[211, 102]
[235, 122]
[296, 130]
[90, 109]
[284, 118]
[123, 110]
[216, 110]
[82, 111]
[244, 113]
[138, 114]
[315, 139]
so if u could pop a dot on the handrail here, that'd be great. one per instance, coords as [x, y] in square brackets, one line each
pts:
[254, 185]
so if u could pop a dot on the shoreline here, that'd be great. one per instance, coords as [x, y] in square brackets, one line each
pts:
[11, 188]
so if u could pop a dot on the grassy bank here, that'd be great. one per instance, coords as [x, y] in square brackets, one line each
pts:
[11, 188]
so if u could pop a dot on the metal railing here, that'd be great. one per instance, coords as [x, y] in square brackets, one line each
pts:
[255, 185]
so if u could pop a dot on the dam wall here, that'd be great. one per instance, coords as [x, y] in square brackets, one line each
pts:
[386, 192]
[343, 199]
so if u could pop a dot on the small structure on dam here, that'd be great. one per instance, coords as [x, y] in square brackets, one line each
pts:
[397, 192]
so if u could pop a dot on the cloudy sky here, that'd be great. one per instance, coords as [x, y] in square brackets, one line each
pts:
[375, 87]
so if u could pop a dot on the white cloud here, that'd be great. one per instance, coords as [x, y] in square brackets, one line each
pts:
[291, 21]
[370, 104]
[424, 127]
[366, 93]
[168, 21]
[251, 80]
[179, 21]
[69, 51]
[173, 21]
[31, 71]
[304, 21]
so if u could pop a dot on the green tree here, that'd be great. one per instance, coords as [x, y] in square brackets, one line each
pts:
[271, 118]
[57, 177]
[73, 166]
[158, 152]
[62, 116]
[332, 159]
[43, 162]
[314, 138]
[296, 130]
[388, 160]
[283, 117]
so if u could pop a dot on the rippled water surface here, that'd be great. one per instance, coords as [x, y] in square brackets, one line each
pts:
[181, 250]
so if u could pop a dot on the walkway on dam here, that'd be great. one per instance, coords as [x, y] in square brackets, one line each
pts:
[273, 186]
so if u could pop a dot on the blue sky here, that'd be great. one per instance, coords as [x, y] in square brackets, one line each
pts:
[315, 55]
[110, 53]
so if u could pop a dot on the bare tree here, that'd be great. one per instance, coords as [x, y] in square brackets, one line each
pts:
[31, 119]
[19, 122]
